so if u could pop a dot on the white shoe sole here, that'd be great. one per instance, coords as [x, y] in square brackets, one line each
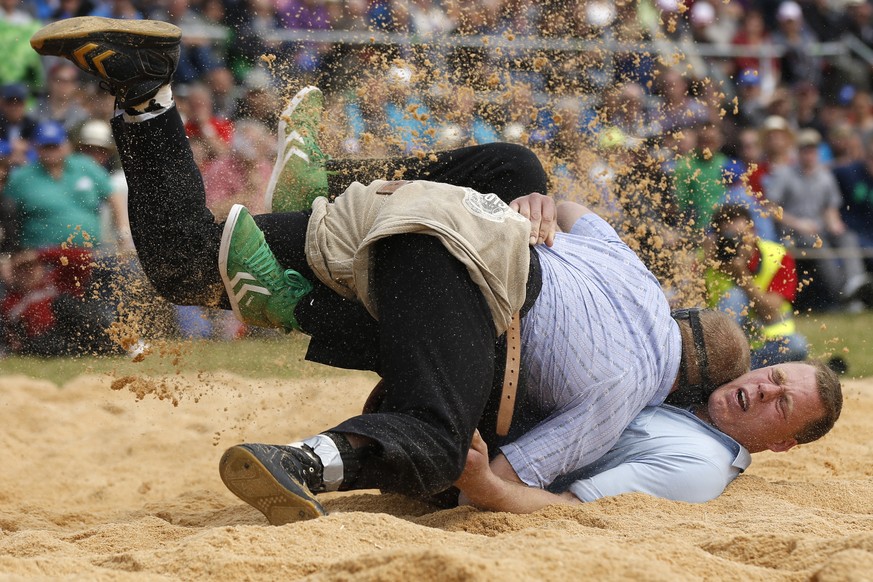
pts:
[283, 151]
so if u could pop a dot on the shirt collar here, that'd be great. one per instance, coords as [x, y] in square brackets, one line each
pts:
[742, 457]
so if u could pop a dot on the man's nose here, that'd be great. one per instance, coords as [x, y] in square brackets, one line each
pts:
[767, 391]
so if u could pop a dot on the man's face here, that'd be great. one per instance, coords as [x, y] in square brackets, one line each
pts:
[741, 229]
[766, 408]
[13, 109]
[52, 156]
[808, 156]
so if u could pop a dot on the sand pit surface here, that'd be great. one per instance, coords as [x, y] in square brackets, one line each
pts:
[119, 484]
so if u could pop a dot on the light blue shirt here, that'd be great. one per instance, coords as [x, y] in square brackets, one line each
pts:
[666, 452]
[598, 346]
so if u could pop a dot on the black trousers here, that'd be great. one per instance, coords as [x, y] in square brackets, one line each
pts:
[434, 344]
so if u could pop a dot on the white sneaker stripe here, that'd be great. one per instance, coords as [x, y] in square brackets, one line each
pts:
[238, 295]
[240, 276]
[296, 152]
[294, 136]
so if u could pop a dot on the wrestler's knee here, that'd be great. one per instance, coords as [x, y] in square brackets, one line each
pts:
[521, 163]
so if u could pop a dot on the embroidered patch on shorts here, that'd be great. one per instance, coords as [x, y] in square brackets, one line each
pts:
[489, 206]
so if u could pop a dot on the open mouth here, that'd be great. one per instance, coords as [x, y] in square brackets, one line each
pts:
[743, 400]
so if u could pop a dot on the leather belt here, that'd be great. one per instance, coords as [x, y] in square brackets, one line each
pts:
[388, 188]
[510, 376]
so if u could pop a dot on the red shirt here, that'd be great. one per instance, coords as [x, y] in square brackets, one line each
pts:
[223, 128]
[70, 274]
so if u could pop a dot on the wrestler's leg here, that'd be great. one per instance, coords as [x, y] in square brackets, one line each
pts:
[175, 234]
[436, 347]
[508, 170]
[436, 350]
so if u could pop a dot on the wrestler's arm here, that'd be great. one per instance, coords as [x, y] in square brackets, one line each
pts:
[496, 487]
[569, 213]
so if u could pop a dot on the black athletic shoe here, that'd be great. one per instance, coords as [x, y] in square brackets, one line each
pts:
[134, 57]
[276, 480]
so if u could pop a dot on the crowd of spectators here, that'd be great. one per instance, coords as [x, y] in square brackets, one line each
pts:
[655, 112]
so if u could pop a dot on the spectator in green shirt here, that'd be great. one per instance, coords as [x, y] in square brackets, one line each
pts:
[19, 63]
[699, 180]
[58, 197]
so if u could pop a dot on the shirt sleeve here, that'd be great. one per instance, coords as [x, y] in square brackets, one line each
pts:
[563, 443]
[678, 478]
[592, 226]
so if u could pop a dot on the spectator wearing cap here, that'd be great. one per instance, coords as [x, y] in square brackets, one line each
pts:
[50, 308]
[749, 109]
[845, 144]
[95, 140]
[17, 125]
[811, 201]
[798, 61]
[777, 142]
[58, 196]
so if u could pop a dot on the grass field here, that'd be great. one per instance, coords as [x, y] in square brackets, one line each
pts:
[848, 336]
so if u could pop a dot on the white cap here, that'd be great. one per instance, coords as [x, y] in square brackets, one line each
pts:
[96, 132]
[789, 10]
[599, 13]
[401, 76]
[668, 5]
[702, 13]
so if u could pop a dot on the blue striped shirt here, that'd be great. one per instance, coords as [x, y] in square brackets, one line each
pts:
[598, 346]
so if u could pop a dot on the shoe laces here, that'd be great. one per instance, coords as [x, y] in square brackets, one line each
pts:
[107, 86]
[305, 460]
[289, 283]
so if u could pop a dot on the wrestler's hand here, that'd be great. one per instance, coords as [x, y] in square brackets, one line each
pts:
[542, 213]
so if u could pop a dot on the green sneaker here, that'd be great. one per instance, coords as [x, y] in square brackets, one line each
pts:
[299, 175]
[261, 292]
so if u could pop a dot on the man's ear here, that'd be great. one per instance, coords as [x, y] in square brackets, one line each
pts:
[782, 446]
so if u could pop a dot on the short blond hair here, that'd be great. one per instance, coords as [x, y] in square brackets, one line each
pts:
[831, 392]
[726, 348]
